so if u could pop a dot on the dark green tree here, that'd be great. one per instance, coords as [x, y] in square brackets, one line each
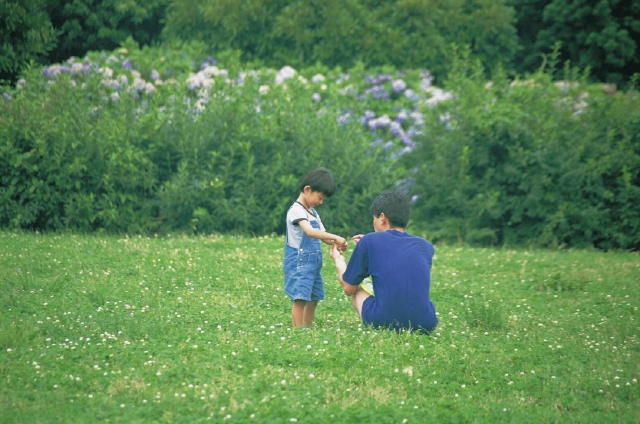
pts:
[26, 34]
[604, 35]
[403, 33]
[85, 25]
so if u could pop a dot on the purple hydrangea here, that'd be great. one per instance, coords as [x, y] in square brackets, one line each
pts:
[344, 118]
[86, 68]
[126, 64]
[45, 71]
[378, 92]
[378, 80]
[368, 115]
[381, 122]
[411, 95]
[155, 75]
[316, 97]
[65, 69]
[6, 96]
[209, 61]
[398, 86]
[402, 116]
[396, 129]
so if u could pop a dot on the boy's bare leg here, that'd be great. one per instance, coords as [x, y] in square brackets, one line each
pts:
[358, 299]
[309, 312]
[297, 312]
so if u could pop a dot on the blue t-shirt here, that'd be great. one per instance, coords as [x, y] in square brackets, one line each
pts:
[400, 267]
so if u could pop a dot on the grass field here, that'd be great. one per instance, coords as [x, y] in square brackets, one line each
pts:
[190, 329]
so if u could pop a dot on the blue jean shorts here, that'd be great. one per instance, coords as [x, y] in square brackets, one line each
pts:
[303, 277]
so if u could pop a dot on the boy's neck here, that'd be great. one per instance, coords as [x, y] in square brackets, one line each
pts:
[303, 202]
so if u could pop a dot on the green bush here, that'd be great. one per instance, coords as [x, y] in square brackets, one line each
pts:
[530, 161]
[95, 145]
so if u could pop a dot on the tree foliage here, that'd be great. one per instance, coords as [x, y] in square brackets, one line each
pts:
[85, 25]
[26, 34]
[402, 33]
[603, 35]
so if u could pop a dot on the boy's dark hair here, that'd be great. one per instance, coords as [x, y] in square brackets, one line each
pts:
[395, 206]
[319, 180]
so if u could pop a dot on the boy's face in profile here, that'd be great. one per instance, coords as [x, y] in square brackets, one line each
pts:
[313, 198]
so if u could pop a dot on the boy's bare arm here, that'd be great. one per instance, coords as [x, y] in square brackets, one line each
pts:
[322, 235]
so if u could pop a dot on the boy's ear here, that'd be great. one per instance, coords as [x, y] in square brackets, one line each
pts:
[306, 189]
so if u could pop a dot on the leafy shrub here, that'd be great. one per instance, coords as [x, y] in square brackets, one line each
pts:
[95, 145]
[530, 161]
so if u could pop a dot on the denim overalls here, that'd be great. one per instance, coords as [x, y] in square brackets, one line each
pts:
[302, 268]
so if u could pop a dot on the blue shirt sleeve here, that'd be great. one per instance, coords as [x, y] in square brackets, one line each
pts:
[358, 266]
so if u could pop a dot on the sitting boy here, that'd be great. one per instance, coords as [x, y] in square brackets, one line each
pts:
[399, 264]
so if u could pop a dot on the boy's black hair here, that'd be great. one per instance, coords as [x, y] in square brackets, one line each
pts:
[319, 180]
[395, 206]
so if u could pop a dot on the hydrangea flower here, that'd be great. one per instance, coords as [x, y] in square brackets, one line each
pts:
[284, 74]
[398, 86]
[411, 95]
[155, 75]
[106, 71]
[378, 92]
[115, 97]
[139, 84]
[317, 78]
[208, 62]
[396, 129]
[381, 122]
[368, 115]
[437, 95]
[344, 118]
[198, 80]
[264, 89]
[316, 97]
[76, 68]
[52, 71]
[6, 96]
[402, 116]
[126, 64]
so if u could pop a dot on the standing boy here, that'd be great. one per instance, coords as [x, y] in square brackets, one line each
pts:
[399, 264]
[302, 263]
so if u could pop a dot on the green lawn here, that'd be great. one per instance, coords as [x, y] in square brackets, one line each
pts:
[189, 329]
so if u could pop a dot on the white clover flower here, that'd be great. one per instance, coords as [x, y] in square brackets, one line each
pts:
[284, 74]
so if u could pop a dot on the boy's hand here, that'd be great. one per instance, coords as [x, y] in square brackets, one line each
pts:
[357, 238]
[341, 243]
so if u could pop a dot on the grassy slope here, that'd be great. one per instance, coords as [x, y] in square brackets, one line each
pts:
[196, 328]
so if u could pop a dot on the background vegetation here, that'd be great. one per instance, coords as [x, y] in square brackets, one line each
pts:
[603, 35]
[200, 127]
